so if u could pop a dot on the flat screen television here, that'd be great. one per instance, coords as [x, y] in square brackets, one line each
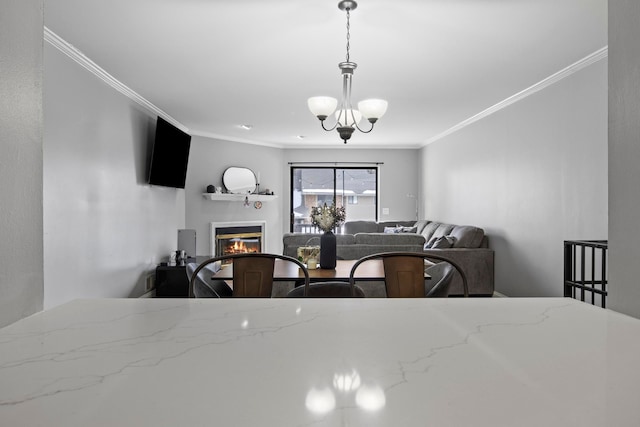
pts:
[170, 155]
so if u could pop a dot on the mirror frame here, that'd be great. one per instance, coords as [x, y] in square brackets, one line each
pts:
[239, 180]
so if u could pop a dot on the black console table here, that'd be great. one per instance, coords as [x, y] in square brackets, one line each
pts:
[171, 279]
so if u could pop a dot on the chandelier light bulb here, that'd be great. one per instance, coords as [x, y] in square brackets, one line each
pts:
[345, 117]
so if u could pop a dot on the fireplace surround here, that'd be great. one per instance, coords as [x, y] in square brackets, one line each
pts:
[237, 237]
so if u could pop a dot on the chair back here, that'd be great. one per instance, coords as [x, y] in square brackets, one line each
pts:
[252, 273]
[253, 276]
[441, 278]
[327, 290]
[404, 276]
[404, 273]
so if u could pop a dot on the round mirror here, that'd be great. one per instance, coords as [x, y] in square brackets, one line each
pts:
[239, 180]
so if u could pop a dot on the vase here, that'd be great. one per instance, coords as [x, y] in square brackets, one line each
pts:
[328, 250]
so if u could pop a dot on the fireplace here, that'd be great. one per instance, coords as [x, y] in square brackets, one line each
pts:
[229, 238]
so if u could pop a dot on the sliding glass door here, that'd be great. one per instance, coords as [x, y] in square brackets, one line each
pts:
[355, 188]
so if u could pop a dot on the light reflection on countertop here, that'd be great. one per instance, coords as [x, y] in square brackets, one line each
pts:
[348, 388]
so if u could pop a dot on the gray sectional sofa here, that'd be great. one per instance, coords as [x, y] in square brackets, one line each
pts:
[466, 245]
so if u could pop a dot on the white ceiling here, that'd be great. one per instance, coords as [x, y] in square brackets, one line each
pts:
[215, 64]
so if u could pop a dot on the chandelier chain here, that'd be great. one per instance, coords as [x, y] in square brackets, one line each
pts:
[348, 33]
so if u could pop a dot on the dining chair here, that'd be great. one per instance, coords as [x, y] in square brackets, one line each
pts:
[327, 290]
[441, 277]
[252, 273]
[204, 286]
[404, 273]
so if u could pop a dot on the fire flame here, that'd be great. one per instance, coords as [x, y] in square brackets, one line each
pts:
[239, 247]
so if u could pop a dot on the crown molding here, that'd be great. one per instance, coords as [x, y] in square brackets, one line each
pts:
[68, 49]
[210, 135]
[554, 78]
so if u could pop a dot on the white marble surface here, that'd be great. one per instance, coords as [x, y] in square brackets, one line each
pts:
[342, 362]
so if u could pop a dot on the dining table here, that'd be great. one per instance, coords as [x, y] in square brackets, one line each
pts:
[321, 362]
[372, 270]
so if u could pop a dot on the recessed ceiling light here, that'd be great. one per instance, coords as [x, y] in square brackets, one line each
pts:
[300, 136]
[246, 127]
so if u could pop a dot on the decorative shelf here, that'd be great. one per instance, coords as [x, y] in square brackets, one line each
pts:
[227, 197]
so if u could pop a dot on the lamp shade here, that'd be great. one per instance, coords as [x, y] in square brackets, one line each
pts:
[345, 118]
[373, 108]
[322, 106]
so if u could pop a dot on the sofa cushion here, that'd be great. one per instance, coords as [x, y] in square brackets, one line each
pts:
[420, 225]
[467, 236]
[428, 230]
[442, 230]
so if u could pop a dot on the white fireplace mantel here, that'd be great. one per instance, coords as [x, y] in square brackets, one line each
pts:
[228, 197]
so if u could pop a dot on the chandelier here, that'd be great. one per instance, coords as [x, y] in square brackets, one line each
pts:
[347, 118]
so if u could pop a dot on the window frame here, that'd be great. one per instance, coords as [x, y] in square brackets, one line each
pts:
[334, 168]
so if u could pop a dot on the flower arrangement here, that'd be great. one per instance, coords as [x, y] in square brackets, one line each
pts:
[326, 218]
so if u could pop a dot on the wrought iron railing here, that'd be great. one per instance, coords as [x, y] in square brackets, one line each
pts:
[585, 270]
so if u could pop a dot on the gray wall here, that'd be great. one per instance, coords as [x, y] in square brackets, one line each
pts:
[207, 162]
[104, 228]
[532, 175]
[21, 253]
[624, 156]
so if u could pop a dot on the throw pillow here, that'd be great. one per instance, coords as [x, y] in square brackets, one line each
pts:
[430, 243]
[444, 242]
[467, 236]
[392, 229]
[413, 229]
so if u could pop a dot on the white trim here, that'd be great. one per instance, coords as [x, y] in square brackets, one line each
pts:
[214, 225]
[565, 72]
[63, 46]
[234, 139]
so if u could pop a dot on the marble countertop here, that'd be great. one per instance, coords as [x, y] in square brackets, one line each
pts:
[321, 362]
